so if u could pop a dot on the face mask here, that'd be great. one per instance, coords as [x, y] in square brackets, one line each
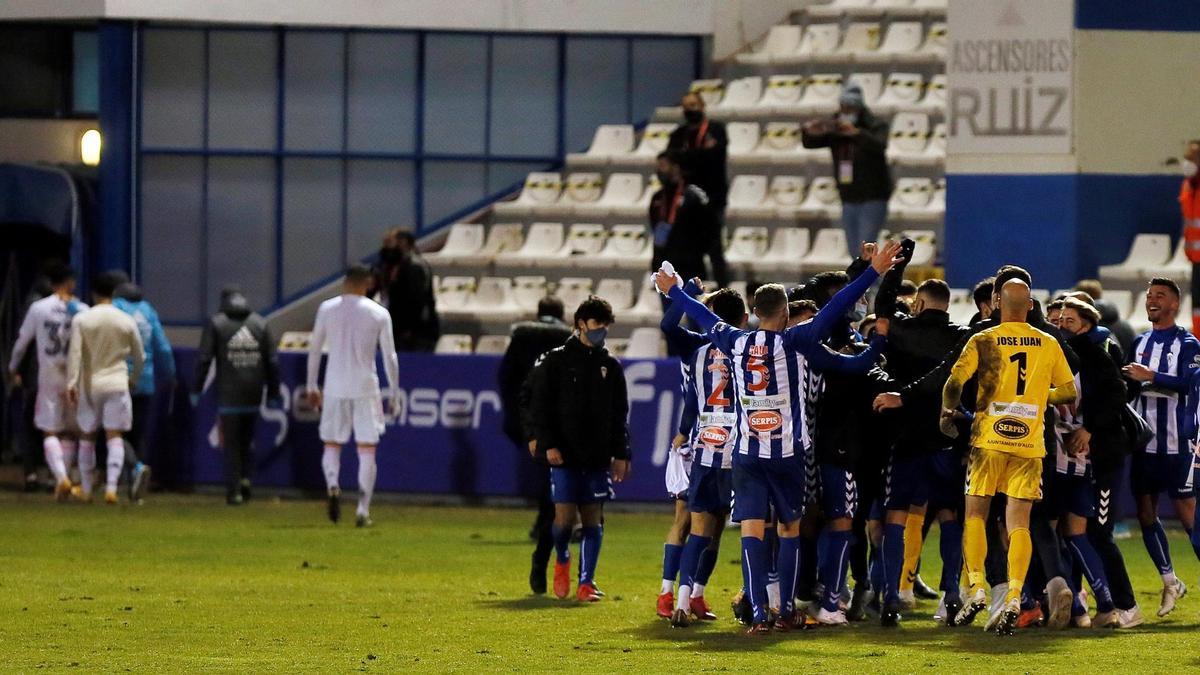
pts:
[596, 336]
[389, 254]
[1187, 167]
[858, 312]
[852, 118]
[665, 178]
[693, 116]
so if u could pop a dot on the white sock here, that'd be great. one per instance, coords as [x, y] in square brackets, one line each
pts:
[87, 466]
[68, 454]
[366, 482]
[668, 586]
[698, 591]
[773, 594]
[1169, 579]
[116, 461]
[331, 463]
[54, 458]
[684, 601]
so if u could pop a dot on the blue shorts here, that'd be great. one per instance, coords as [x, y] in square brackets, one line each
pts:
[710, 490]
[1073, 495]
[836, 492]
[580, 486]
[759, 484]
[1154, 474]
[931, 479]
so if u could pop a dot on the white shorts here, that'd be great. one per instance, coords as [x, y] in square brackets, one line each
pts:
[678, 470]
[362, 416]
[51, 411]
[113, 411]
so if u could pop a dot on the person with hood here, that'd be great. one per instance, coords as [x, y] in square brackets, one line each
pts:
[404, 282]
[858, 142]
[240, 343]
[131, 300]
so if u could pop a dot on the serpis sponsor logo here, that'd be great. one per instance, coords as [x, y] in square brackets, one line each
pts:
[765, 421]
[1010, 427]
[714, 436]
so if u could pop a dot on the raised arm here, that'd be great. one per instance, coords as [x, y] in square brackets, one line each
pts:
[825, 359]
[695, 310]
[682, 340]
[819, 328]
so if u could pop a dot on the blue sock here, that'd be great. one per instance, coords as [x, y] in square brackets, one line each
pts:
[771, 539]
[951, 550]
[1027, 600]
[788, 566]
[1156, 544]
[562, 543]
[875, 572]
[754, 552]
[808, 562]
[671, 557]
[690, 562]
[708, 563]
[589, 552]
[833, 567]
[893, 561]
[1093, 568]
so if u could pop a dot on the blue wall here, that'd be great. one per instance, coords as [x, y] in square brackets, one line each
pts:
[270, 158]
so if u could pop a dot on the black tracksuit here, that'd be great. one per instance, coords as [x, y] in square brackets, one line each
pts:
[867, 152]
[407, 282]
[686, 211]
[706, 168]
[242, 347]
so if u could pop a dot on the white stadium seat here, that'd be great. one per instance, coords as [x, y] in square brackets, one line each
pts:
[492, 344]
[787, 250]
[926, 250]
[622, 191]
[781, 39]
[618, 293]
[1149, 251]
[711, 91]
[937, 203]
[787, 195]
[828, 250]
[493, 297]
[821, 93]
[743, 138]
[627, 247]
[611, 140]
[741, 96]
[962, 305]
[860, 39]
[541, 189]
[526, 292]
[935, 152]
[296, 341]
[908, 136]
[654, 139]
[934, 48]
[454, 294]
[871, 85]
[820, 39]
[573, 291]
[645, 343]
[892, 4]
[453, 343]
[464, 240]
[545, 240]
[617, 346]
[911, 198]
[836, 7]
[822, 199]
[579, 189]
[748, 197]
[584, 242]
[501, 238]
[934, 100]
[1178, 266]
[648, 308]
[747, 246]
[936, 5]
[638, 209]
[902, 92]
[782, 95]
[780, 142]
[902, 37]
[1121, 299]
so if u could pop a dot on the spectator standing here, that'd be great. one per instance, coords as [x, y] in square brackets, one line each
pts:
[1110, 316]
[858, 142]
[529, 340]
[131, 300]
[239, 342]
[702, 145]
[681, 220]
[405, 283]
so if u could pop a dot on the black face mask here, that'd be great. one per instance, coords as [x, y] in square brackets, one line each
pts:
[693, 116]
[389, 255]
[665, 178]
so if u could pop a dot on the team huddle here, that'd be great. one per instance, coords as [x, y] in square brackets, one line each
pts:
[835, 452]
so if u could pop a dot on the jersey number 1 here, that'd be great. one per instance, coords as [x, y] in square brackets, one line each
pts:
[1021, 359]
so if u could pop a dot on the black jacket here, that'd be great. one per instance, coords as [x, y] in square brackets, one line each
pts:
[530, 339]
[691, 233]
[1111, 319]
[579, 405]
[706, 167]
[240, 343]
[842, 430]
[1101, 401]
[867, 151]
[408, 286]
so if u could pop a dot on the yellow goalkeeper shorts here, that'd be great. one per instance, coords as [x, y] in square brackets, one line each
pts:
[989, 472]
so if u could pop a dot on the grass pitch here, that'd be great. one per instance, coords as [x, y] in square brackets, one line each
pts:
[188, 584]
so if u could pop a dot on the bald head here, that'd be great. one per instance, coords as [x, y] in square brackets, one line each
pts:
[1015, 300]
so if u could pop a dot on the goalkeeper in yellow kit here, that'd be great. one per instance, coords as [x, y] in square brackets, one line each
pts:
[1020, 370]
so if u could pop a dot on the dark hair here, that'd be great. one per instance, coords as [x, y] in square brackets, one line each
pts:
[358, 273]
[1085, 310]
[822, 286]
[728, 305]
[596, 308]
[935, 289]
[671, 156]
[983, 291]
[1169, 283]
[1007, 273]
[105, 284]
[770, 299]
[58, 272]
[550, 306]
[796, 307]
[907, 287]
[1056, 304]
[1080, 295]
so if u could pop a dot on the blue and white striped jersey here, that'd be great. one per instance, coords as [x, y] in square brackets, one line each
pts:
[709, 404]
[1173, 354]
[1066, 422]
[768, 390]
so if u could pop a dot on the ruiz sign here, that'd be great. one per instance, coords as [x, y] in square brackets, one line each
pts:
[1009, 74]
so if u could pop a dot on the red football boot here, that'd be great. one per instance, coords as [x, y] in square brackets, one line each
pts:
[666, 604]
[701, 610]
[587, 593]
[562, 579]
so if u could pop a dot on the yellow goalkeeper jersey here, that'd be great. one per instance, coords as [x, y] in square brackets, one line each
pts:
[1017, 365]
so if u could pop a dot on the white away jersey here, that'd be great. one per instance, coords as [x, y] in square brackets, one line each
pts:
[47, 326]
[354, 327]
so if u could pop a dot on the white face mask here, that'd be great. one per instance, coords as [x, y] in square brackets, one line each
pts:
[1187, 167]
[852, 118]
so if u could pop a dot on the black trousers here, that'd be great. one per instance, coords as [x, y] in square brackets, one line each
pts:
[1100, 533]
[135, 449]
[716, 249]
[543, 526]
[237, 434]
[30, 439]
